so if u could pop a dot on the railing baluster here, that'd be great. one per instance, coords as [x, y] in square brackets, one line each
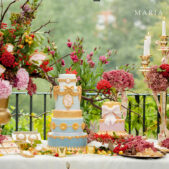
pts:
[17, 109]
[137, 98]
[144, 113]
[44, 130]
[31, 110]
[129, 117]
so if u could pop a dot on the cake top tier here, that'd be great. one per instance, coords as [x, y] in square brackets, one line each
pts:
[67, 78]
[111, 104]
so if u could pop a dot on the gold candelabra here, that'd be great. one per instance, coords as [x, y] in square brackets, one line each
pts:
[145, 61]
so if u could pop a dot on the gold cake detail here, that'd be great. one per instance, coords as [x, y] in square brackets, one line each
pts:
[66, 137]
[67, 80]
[64, 126]
[67, 94]
[67, 114]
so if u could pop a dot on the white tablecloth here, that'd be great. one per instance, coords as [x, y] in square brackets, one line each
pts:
[81, 162]
[86, 161]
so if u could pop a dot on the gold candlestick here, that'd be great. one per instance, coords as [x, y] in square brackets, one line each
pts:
[145, 61]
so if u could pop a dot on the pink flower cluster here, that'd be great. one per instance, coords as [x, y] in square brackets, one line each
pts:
[74, 57]
[23, 79]
[103, 59]
[89, 60]
[119, 79]
[156, 81]
[5, 89]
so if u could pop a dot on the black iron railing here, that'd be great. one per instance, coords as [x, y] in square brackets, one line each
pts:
[45, 94]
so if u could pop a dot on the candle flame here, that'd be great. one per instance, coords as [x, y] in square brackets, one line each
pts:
[148, 33]
[163, 18]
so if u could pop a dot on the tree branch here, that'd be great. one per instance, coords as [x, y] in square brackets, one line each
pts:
[25, 3]
[44, 25]
[1, 8]
[37, 6]
[91, 101]
[6, 10]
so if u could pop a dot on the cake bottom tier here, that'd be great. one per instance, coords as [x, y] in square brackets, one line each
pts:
[119, 125]
[67, 139]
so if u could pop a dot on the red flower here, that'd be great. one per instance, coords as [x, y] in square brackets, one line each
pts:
[45, 66]
[104, 86]
[3, 25]
[70, 71]
[165, 73]
[7, 59]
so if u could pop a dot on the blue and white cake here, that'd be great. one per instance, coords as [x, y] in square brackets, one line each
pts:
[67, 123]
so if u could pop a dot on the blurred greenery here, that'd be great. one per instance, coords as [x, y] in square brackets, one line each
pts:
[122, 31]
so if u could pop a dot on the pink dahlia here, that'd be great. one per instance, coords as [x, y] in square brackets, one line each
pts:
[119, 79]
[23, 79]
[5, 89]
[156, 81]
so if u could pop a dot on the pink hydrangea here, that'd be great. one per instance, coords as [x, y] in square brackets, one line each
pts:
[119, 79]
[103, 59]
[156, 81]
[23, 79]
[5, 89]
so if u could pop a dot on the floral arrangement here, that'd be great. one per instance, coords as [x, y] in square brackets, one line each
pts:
[158, 78]
[20, 60]
[133, 145]
[119, 79]
[115, 82]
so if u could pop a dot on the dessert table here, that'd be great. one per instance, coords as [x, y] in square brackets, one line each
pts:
[81, 162]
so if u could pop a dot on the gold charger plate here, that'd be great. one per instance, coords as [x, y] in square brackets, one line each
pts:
[142, 157]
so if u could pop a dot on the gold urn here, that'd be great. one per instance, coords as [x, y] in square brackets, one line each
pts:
[5, 115]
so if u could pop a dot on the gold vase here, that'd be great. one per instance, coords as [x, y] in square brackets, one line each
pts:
[5, 115]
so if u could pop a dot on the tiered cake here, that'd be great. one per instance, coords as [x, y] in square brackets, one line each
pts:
[67, 123]
[112, 118]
